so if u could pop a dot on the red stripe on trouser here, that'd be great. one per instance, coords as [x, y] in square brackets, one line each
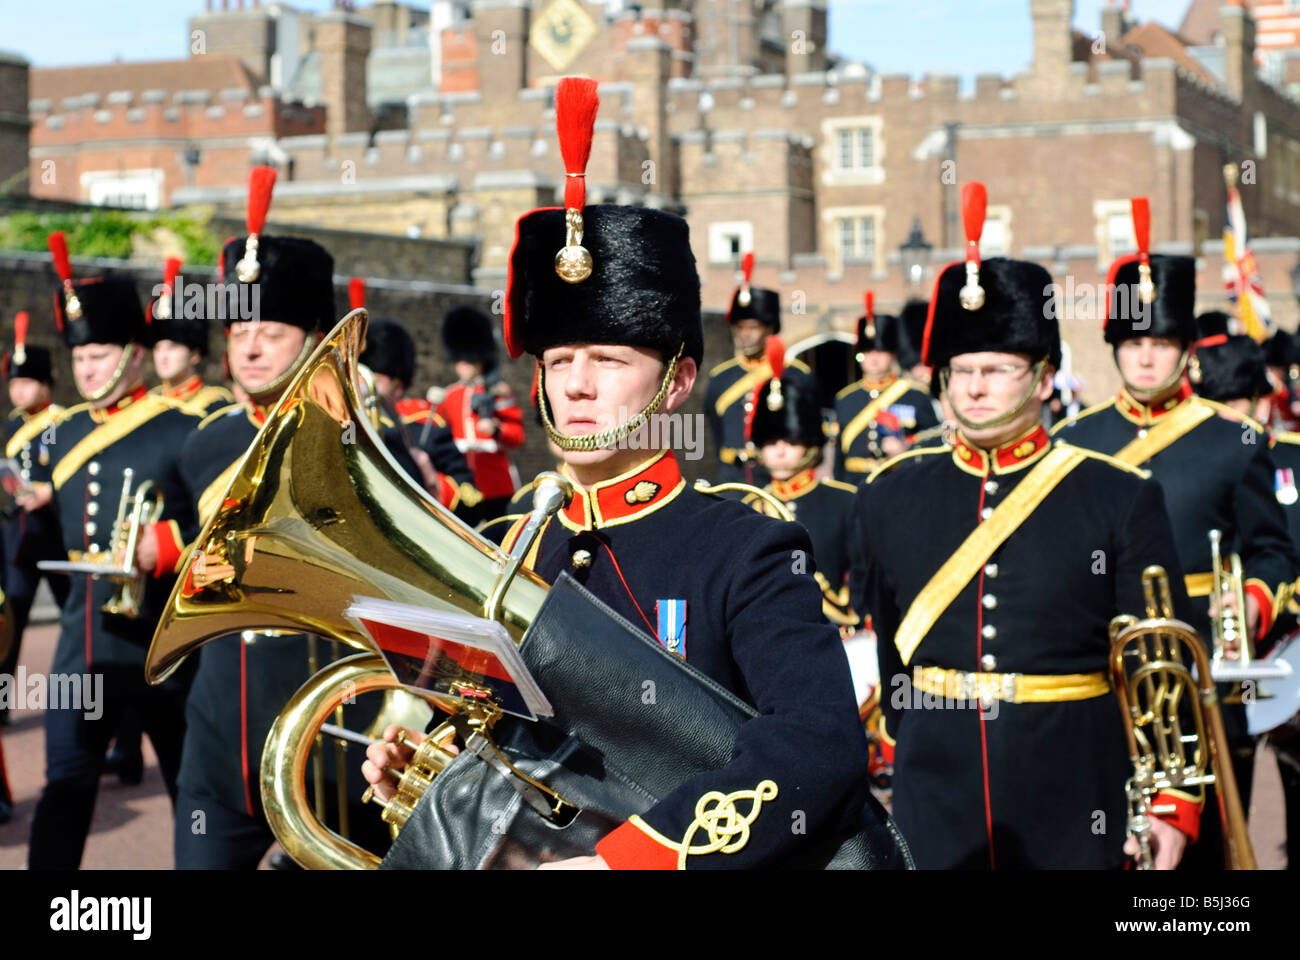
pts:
[243, 721]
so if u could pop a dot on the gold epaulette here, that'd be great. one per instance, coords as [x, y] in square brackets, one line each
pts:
[905, 455]
[1128, 467]
[1230, 414]
[1287, 437]
[1087, 412]
[723, 366]
[219, 412]
[845, 391]
[839, 485]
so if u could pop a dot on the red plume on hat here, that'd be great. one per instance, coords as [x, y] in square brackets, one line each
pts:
[163, 307]
[576, 103]
[870, 314]
[974, 208]
[20, 337]
[260, 185]
[1142, 234]
[774, 353]
[58, 243]
[357, 293]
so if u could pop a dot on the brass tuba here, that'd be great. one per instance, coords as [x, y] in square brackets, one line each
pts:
[317, 512]
[1157, 694]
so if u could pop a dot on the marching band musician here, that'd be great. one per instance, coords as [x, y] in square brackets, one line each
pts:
[877, 414]
[1025, 551]
[911, 333]
[29, 536]
[623, 332]
[1282, 357]
[244, 680]
[1212, 463]
[785, 426]
[179, 345]
[481, 409]
[408, 423]
[120, 426]
[754, 315]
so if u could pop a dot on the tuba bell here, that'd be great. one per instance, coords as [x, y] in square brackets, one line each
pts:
[316, 513]
[1157, 696]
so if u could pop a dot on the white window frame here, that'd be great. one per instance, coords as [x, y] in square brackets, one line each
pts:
[832, 227]
[998, 213]
[1103, 211]
[860, 173]
[719, 235]
[98, 186]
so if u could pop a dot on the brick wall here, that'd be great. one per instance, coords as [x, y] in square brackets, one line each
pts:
[14, 123]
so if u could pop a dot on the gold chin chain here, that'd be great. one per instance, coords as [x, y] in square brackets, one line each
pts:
[606, 438]
[1004, 418]
[271, 391]
[113, 381]
[1159, 388]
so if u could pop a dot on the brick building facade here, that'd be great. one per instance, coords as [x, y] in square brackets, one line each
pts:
[733, 112]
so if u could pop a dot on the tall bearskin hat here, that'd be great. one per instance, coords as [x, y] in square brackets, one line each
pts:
[599, 274]
[95, 310]
[1283, 350]
[295, 277]
[467, 336]
[749, 302]
[167, 319]
[390, 348]
[877, 331]
[1150, 295]
[24, 362]
[1231, 367]
[786, 407]
[911, 332]
[998, 305]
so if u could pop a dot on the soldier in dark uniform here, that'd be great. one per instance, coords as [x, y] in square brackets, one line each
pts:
[1005, 622]
[876, 415]
[244, 680]
[708, 577]
[180, 343]
[1212, 463]
[439, 466]
[480, 408]
[121, 426]
[786, 429]
[754, 315]
[911, 337]
[29, 537]
[1282, 357]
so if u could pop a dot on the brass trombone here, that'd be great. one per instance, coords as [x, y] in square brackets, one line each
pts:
[1157, 695]
[136, 509]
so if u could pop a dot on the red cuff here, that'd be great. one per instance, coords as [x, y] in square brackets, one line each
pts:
[1186, 815]
[1265, 602]
[170, 547]
[629, 847]
[447, 492]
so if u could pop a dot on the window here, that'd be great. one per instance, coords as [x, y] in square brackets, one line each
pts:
[1114, 230]
[728, 242]
[995, 241]
[852, 151]
[132, 189]
[857, 239]
[854, 235]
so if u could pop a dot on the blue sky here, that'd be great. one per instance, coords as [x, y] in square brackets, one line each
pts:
[895, 36]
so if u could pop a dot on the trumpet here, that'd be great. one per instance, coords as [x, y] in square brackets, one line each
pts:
[1228, 628]
[135, 509]
[1157, 695]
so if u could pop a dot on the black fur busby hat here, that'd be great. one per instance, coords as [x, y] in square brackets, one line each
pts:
[749, 302]
[467, 336]
[24, 362]
[787, 406]
[876, 331]
[103, 309]
[1150, 295]
[1231, 367]
[295, 277]
[1213, 323]
[911, 332]
[602, 273]
[390, 350]
[1282, 350]
[169, 319]
[998, 305]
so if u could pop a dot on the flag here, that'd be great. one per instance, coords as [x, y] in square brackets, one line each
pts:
[1240, 272]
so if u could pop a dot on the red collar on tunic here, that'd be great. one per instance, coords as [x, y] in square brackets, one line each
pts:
[102, 414]
[1008, 458]
[1143, 414]
[622, 499]
[796, 486]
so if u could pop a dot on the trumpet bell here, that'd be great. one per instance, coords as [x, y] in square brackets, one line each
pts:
[317, 513]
